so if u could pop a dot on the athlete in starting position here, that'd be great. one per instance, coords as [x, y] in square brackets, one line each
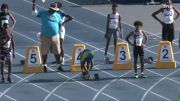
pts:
[86, 59]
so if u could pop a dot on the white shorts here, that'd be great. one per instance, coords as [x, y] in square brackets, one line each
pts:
[62, 32]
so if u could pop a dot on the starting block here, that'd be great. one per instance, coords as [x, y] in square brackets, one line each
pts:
[76, 65]
[165, 58]
[122, 57]
[33, 62]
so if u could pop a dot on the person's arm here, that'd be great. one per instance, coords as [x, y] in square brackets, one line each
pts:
[107, 26]
[92, 64]
[127, 38]
[177, 13]
[154, 15]
[34, 9]
[120, 26]
[13, 21]
[146, 37]
[67, 17]
[13, 45]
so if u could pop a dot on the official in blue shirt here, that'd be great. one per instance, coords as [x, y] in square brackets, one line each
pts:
[50, 41]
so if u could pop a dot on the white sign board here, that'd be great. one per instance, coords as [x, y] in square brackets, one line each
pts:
[165, 54]
[122, 55]
[77, 53]
[33, 59]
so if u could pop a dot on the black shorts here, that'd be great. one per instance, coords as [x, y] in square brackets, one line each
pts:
[168, 32]
[138, 51]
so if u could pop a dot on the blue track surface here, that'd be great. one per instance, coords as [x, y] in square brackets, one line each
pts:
[87, 28]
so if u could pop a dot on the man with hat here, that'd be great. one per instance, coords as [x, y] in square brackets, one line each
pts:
[49, 37]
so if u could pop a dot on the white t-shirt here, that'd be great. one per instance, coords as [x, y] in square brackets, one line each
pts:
[114, 21]
[168, 15]
[138, 38]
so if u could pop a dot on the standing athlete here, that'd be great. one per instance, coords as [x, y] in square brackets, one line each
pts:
[6, 50]
[168, 12]
[112, 28]
[65, 18]
[139, 43]
[7, 17]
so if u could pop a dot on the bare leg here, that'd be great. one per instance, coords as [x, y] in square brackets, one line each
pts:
[59, 61]
[44, 58]
[62, 47]
[9, 68]
[9, 71]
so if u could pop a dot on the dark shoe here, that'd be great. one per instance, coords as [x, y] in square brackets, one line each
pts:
[60, 68]
[45, 69]
[9, 80]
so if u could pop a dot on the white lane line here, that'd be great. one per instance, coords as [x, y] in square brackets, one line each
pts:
[94, 46]
[175, 81]
[73, 19]
[57, 87]
[155, 73]
[137, 85]
[86, 43]
[105, 16]
[66, 34]
[76, 81]
[47, 91]
[87, 85]
[103, 88]
[156, 83]
[10, 98]
[33, 40]
[3, 93]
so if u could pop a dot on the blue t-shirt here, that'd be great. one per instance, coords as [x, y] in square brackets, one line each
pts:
[50, 23]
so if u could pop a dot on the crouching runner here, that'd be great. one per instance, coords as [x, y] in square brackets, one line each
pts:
[86, 59]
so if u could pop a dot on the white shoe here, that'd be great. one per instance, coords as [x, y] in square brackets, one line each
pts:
[136, 76]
